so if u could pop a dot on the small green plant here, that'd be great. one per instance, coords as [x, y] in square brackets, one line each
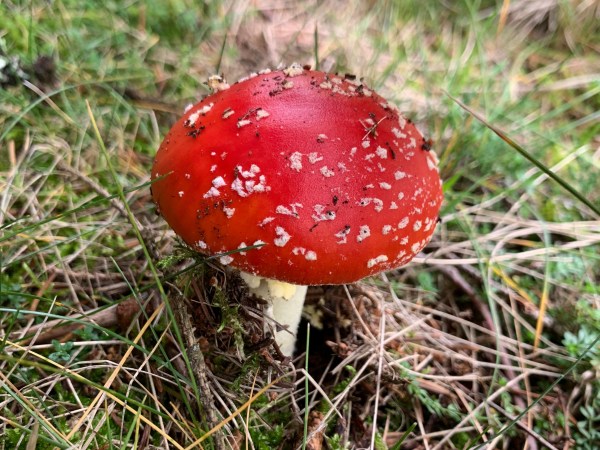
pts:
[62, 352]
[336, 442]
[587, 432]
[584, 340]
[267, 439]
[432, 404]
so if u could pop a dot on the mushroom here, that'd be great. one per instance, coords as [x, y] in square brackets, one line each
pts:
[298, 176]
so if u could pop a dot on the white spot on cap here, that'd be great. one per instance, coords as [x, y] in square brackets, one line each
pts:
[412, 143]
[378, 260]
[291, 211]
[243, 123]
[282, 237]
[417, 225]
[228, 212]
[299, 251]
[416, 247]
[366, 143]
[326, 172]
[262, 185]
[342, 235]
[212, 192]
[249, 185]
[321, 137]
[398, 175]
[403, 223]
[213, 167]
[259, 243]
[242, 245]
[245, 188]
[381, 152]
[218, 182]
[254, 169]
[321, 215]
[228, 113]
[399, 134]
[225, 259]
[400, 195]
[431, 163]
[310, 256]
[428, 224]
[393, 205]
[417, 193]
[191, 121]
[386, 229]
[238, 187]
[180, 193]
[384, 185]
[261, 114]
[314, 157]
[202, 111]
[363, 233]
[296, 161]
[201, 244]
[378, 204]
[266, 221]
[401, 121]
[187, 176]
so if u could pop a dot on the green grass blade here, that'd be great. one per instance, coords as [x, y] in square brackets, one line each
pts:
[502, 135]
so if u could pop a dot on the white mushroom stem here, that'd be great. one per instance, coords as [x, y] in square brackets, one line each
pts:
[285, 302]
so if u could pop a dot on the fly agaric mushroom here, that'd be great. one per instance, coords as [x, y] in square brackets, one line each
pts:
[298, 176]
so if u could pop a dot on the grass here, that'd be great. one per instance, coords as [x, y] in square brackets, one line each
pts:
[488, 340]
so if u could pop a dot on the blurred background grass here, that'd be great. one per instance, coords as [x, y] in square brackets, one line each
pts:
[515, 250]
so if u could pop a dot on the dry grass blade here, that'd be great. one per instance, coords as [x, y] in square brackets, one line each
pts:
[115, 372]
[236, 413]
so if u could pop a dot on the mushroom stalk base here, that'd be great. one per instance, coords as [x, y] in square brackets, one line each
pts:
[284, 306]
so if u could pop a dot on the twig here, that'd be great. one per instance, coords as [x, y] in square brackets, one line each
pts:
[54, 329]
[199, 368]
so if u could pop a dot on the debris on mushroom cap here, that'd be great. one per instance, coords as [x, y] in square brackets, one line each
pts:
[217, 83]
[326, 180]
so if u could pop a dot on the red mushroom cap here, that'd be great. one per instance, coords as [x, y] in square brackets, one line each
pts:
[330, 181]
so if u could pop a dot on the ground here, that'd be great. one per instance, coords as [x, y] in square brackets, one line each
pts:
[114, 335]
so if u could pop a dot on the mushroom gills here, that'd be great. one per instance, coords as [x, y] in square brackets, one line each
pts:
[284, 307]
